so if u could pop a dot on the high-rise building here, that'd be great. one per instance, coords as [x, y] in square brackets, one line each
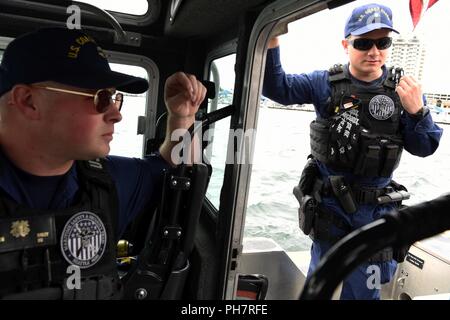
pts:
[409, 53]
[438, 99]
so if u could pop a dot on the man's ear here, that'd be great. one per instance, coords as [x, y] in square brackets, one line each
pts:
[345, 45]
[23, 98]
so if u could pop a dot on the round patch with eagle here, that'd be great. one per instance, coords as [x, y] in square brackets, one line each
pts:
[83, 240]
[381, 107]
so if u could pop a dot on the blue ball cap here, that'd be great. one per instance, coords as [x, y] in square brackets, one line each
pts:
[66, 56]
[368, 18]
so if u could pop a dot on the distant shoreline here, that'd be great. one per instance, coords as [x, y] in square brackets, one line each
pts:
[293, 109]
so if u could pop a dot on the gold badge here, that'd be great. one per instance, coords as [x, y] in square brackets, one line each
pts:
[20, 228]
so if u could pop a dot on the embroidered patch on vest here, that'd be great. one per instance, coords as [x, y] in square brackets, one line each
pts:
[83, 240]
[381, 107]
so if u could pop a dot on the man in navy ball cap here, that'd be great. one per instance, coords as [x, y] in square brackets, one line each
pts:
[70, 57]
[65, 202]
[367, 114]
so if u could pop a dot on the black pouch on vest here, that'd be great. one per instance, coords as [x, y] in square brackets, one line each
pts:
[393, 154]
[303, 192]
[308, 178]
[370, 158]
[343, 193]
[306, 214]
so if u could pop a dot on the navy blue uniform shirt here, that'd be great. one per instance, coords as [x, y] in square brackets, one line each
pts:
[138, 182]
[421, 136]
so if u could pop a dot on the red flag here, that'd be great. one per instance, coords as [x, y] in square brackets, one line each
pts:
[415, 8]
[431, 2]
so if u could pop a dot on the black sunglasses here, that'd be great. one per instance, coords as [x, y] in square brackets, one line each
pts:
[103, 98]
[364, 44]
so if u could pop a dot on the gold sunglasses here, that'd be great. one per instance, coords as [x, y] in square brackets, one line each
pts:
[103, 98]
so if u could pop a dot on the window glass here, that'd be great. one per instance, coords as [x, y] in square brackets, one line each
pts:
[222, 74]
[126, 142]
[139, 7]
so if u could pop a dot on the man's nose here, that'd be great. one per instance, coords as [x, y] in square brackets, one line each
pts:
[113, 114]
[374, 50]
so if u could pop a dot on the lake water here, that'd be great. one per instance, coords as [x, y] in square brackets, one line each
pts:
[282, 146]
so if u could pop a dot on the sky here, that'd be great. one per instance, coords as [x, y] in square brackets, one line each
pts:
[315, 42]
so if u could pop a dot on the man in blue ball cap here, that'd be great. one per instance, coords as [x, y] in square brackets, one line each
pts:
[368, 18]
[367, 114]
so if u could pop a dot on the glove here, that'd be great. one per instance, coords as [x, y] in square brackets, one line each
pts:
[309, 175]
[344, 138]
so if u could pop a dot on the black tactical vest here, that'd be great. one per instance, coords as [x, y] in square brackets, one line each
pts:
[43, 251]
[362, 134]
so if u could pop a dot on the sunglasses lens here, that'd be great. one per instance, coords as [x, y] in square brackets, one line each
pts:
[367, 44]
[362, 44]
[384, 43]
[103, 100]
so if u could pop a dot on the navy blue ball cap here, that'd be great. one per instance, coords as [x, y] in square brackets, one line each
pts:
[66, 56]
[368, 18]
